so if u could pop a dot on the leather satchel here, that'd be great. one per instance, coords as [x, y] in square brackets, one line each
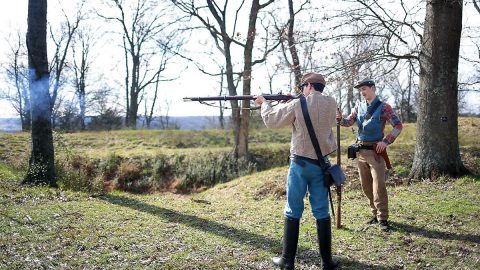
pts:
[334, 174]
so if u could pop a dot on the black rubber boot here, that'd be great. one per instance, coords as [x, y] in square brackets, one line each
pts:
[290, 241]
[324, 232]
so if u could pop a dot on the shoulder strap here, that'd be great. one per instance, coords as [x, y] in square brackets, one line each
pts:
[370, 112]
[311, 132]
[316, 146]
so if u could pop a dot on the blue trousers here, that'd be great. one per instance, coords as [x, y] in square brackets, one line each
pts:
[303, 177]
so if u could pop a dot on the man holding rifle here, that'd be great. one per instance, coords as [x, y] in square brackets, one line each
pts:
[304, 172]
[371, 117]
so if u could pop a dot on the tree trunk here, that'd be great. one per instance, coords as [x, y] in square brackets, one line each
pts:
[41, 168]
[350, 96]
[133, 110]
[353, 78]
[437, 150]
[83, 108]
[127, 78]
[134, 90]
[80, 79]
[291, 45]
[221, 118]
[247, 79]
[233, 92]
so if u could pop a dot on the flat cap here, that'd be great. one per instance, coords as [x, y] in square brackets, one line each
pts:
[313, 78]
[367, 82]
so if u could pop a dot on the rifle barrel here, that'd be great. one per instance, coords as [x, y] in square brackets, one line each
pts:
[247, 97]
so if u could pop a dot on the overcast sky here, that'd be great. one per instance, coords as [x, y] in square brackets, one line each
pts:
[191, 82]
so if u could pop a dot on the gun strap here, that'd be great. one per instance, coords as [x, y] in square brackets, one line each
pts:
[316, 146]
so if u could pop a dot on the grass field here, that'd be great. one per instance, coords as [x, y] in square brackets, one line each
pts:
[236, 225]
[233, 225]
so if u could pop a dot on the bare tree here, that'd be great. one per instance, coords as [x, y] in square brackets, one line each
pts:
[165, 118]
[347, 58]
[389, 34]
[221, 117]
[437, 150]
[41, 168]
[102, 98]
[167, 50]
[295, 64]
[59, 62]
[17, 75]
[403, 89]
[470, 82]
[215, 18]
[291, 39]
[81, 49]
[149, 115]
[477, 7]
[142, 23]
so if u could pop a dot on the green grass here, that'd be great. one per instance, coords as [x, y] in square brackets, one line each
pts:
[236, 225]
[151, 142]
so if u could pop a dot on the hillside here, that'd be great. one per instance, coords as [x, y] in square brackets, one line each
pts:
[89, 223]
[236, 225]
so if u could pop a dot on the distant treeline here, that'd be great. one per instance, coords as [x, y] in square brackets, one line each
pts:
[114, 122]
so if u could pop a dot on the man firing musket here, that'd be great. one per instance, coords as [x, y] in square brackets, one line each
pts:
[312, 116]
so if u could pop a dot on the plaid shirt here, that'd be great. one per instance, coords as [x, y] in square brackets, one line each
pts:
[387, 115]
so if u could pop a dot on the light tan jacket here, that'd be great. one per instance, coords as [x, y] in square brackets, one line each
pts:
[322, 110]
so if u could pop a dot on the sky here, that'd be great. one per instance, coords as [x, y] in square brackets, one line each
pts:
[190, 82]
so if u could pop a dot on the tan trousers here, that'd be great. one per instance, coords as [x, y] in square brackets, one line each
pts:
[371, 168]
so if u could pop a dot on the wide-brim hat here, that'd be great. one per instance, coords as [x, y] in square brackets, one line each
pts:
[313, 78]
[365, 82]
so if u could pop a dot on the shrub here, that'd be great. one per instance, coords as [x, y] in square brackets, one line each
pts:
[69, 119]
[162, 170]
[129, 172]
[108, 120]
[78, 173]
[269, 157]
[210, 169]
[109, 166]
[181, 172]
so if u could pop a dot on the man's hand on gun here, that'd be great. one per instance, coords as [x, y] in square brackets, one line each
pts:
[259, 100]
[339, 115]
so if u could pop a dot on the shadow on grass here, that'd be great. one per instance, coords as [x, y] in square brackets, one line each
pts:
[310, 257]
[436, 234]
[305, 256]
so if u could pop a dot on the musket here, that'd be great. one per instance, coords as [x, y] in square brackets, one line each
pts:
[277, 97]
[338, 221]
